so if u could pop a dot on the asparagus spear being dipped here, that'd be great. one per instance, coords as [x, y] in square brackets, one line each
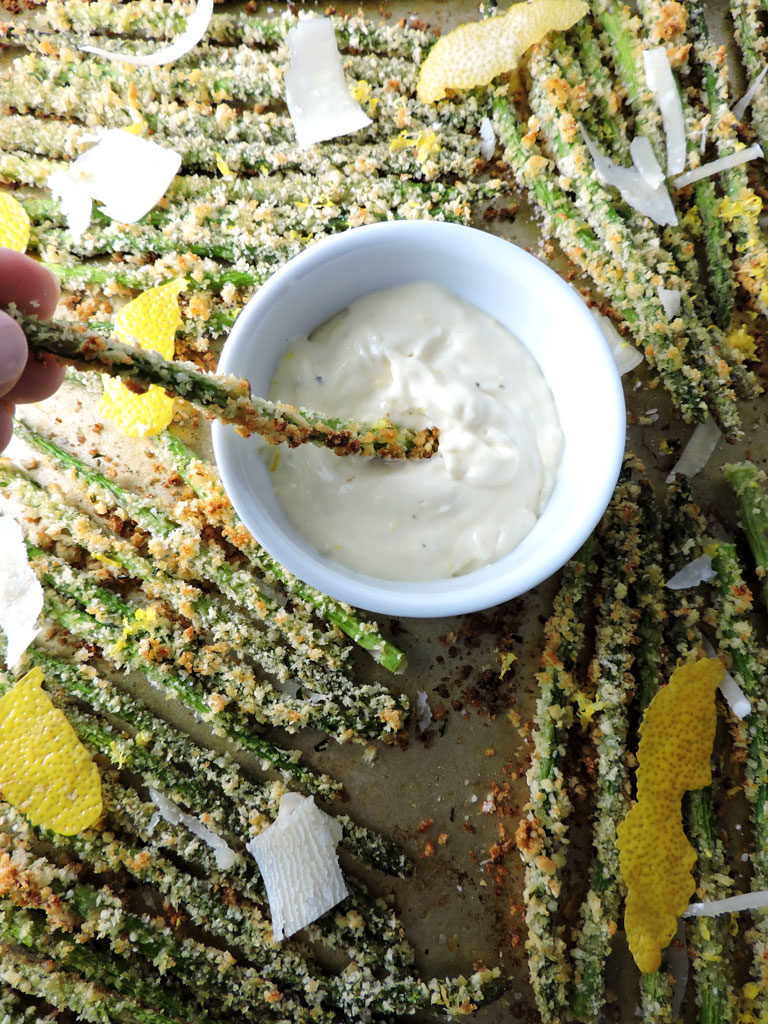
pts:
[227, 398]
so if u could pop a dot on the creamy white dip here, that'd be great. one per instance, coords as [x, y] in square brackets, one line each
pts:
[420, 356]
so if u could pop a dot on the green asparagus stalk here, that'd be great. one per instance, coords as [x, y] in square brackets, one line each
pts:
[737, 641]
[227, 398]
[543, 836]
[649, 595]
[623, 45]
[235, 681]
[208, 562]
[684, 529]
[113, 276]
[633, 245]
[146, 21]
[582, 246]
[183, 685]
[715, 230]
[27, 928]
[749, 483]
[710, 941]
[611, 675]
[319, 656]
[163, 756]
[15, 1010]
[159, 753]
[201, 477]
[206, 614]
[66, 991]
[741, 207]
[749, 33]
[212, 974]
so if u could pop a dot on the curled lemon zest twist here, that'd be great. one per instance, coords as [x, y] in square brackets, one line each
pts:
[655, 857]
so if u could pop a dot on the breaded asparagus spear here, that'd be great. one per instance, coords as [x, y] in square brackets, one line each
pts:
[227, 398]
[542, 836]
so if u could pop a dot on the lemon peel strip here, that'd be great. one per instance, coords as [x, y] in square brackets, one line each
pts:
[655, 858]
[150, 321]
[476, 53]
[14, 224]
[45, 771]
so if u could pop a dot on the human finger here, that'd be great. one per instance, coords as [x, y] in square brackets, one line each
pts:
[6, 425]
[28, 284]
[13, 352]
[41, 377]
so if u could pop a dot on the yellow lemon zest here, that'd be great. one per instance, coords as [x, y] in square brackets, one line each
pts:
[14, 223]
[361, 93]
[742, 341]
[425, 143]
[222, 165]
[118, 754]
[655, 857]
[107, 561]
[747, 204]
[151, 321]
[507, 660]
[586, 708]
[476, 53]
[401, 141]
[45, 771]
[137, 128]
[142, 618]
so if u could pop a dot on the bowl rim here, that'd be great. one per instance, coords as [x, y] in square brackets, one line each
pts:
[470, 592]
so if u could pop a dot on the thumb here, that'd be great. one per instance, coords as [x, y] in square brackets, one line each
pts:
[13, 352]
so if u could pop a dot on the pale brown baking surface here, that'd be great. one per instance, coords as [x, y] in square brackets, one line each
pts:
[452, 796]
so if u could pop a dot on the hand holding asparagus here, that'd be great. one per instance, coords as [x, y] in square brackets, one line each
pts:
[224, 397]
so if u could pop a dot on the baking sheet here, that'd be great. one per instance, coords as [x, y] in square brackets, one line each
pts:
[452, 796]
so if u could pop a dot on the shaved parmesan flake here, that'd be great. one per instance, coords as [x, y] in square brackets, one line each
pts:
[316, 91]
[477, 52]
[691, 575]
[704, 132]
[297, 859]
[725, 163]
[661, 82]
[127, 174]
[740, 108]
[670, 300]
[735, 697]
[635, 190]
[423, 711]
[626, 355]
[487, 139]
[21, 596]
[732, 693]
[226, 857]
[645, 161]
[745, 901]
[197, 26]
[696, 453]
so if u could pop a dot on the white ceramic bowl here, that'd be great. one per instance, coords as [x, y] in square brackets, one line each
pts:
[524, 295]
